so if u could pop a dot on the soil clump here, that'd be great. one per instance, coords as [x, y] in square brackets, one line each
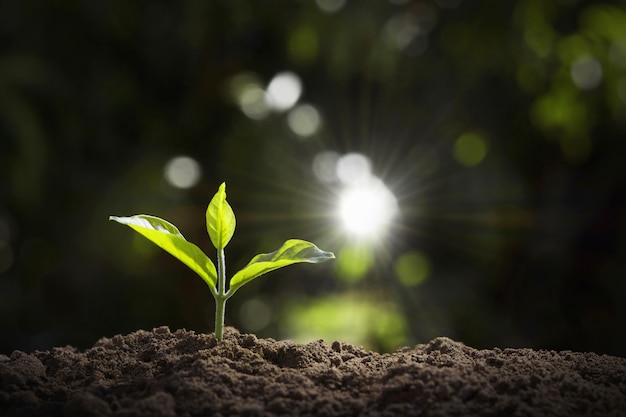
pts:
[183, 373]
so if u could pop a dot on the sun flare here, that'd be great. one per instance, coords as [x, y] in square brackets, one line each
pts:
[367, 210]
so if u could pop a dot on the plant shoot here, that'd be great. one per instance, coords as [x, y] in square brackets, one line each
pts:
[220, 223]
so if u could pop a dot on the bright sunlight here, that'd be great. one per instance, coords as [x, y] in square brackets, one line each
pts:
[366, 210]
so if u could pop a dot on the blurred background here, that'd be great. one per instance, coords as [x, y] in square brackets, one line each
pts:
[465, 160]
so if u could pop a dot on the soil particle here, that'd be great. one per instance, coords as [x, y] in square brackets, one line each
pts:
[160, 373]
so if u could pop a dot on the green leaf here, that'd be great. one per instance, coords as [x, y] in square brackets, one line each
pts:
[220, 219]
[166, 236]
[293, 251]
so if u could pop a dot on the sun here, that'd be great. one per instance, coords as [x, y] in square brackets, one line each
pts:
[366, 210]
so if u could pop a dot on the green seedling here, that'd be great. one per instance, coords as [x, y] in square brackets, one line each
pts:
[220, 223]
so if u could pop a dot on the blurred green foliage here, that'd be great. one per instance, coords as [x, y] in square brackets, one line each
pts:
[498, 126]
[355, 317]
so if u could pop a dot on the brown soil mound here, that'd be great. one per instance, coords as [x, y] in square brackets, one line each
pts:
[160, 373]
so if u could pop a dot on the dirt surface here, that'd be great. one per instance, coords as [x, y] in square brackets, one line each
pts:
[160, 373]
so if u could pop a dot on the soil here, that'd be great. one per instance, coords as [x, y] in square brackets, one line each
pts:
[160, 373]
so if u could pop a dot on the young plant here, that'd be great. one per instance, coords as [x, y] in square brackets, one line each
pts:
[220, 223]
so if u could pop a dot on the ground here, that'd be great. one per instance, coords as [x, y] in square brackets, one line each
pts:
[160, 373]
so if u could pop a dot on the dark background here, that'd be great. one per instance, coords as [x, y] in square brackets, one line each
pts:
[524, 247]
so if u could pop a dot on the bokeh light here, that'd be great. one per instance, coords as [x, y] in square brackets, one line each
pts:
[283, 91]
[253, 102]
[403, 31]
[324, 166]
[304, 120]
[470, 149]
[331, 6]
[412, 268]
[586, 73]
[303, 46]
[182, 172]
[354, 169]
[245, 89]
[617, 52]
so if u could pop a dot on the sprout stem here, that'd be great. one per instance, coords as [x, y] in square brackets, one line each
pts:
[220, 308]
[220, 299]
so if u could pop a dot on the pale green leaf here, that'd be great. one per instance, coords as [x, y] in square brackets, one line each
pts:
[166, 236]
[220, 219]
[293, 251]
